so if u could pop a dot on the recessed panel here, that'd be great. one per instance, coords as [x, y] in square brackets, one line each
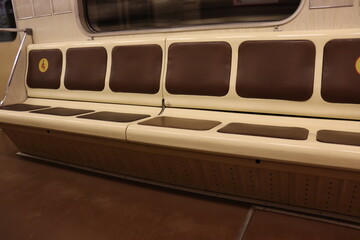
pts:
[199, 68]
[136, 69]
[42, 8]
[281, 70]
[341, 71]
[314, 4]
[61, 6]
[85, 68]
[24, 9]
[44, 70]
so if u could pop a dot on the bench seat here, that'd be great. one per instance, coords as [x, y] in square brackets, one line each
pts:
[76, 124]
[263, 116]
[306, 152]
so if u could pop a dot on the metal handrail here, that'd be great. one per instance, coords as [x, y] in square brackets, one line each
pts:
[27, 31]
[15, 30]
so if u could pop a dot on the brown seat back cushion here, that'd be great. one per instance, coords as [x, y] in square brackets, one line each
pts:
[44, 69]
[199, 68]
[276, 70]
[136, 69]
[341, 79]
[85, 68]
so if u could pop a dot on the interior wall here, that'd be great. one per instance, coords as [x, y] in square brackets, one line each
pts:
[51, 26]
[8, 52]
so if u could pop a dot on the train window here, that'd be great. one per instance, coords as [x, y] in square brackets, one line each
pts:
[118, 15]
[7, 20]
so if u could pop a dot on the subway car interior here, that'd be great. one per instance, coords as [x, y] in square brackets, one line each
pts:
[169, 119]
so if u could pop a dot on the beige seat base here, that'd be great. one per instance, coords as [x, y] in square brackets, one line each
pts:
[311, 187]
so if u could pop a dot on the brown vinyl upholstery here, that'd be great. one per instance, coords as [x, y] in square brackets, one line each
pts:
[293, 133]
[60, 111]
[181, 123]
[338, 137]
[199, 68]
[114, 117]
[20, 107]
[48, 78]
[340, 80]
[85, 68]
[276, 70]
[136, 69]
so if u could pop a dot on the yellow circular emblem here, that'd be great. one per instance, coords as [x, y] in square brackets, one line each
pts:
[43, 65]
[357, 65]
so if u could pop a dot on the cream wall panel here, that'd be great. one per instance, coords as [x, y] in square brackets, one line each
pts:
[42, 8]
[8, 53]
[329, 18]
[330, 3]
[54, 28]
[24, 8]
[65, 27]
[61, 6]
[17, 90]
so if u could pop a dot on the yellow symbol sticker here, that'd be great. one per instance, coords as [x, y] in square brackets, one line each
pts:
[43, 65]
[357, 65]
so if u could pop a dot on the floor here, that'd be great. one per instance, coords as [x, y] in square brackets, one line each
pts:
[40, 201]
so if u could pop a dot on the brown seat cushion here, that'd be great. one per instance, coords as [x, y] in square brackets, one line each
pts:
[293, 133]
[276, 70]
[85, 68]
[136, 69]
[181, 123]
[44, 70]
[22, 107]
[338, 137]
[66, 112]
[199, 68]
[114, 117]
[340, 79]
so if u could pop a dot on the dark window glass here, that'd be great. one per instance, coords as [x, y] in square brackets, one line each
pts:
[7, 20]
[117, 15]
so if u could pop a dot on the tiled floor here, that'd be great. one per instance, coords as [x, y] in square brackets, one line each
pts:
[41, 201]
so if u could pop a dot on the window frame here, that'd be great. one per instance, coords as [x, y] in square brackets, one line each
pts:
[86, 29]
[15, 33]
